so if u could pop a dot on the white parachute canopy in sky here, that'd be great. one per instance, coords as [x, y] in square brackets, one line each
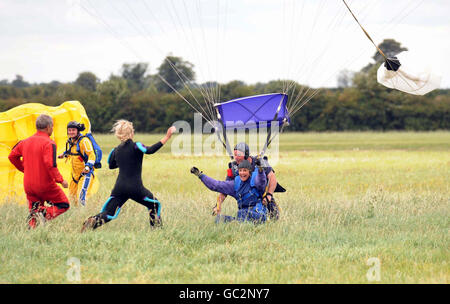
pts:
[408, 74]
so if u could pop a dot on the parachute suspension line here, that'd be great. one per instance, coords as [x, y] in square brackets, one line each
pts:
[307, 49]
[179, 73]
[365, 32]
[98, 17]
[401, 73]
[371, 40]
[202, 91]
[270, 141]
[404, 12]
[295, 110]
[153, 16]
[205, 45]
[179, 24]
[292, 111]
[269, 132]
[219, 50]
[302, 97]
[298, 100]
[224, 142]
[304, 90]
[207, 92]
[207, 95]
[211, 88]
[179, 94]
[286, 58]
[291, 50]
[211, 100]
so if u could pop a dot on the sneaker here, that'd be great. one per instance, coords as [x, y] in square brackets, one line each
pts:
[156, 223]
[35, 219]
[89, 224]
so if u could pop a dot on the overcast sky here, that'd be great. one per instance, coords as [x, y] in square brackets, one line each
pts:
[249, 40]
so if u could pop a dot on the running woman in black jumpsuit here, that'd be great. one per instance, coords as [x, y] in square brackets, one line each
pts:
[128, 158]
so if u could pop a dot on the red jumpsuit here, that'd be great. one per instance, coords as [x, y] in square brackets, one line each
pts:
[38, 164]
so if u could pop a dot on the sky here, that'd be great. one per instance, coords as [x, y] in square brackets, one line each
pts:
[308, 41]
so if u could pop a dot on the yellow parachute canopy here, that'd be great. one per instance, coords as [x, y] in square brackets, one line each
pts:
[19, 123]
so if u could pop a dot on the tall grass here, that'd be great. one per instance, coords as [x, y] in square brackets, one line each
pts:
[351, 196]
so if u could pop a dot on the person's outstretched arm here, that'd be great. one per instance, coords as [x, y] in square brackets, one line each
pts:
[158, 145]
[225, 187]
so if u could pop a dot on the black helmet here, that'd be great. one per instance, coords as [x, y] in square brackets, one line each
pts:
[245, 164]
[76, 125]
[243, 147]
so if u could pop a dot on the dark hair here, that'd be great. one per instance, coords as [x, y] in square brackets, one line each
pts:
[76, 125]
[245, 164]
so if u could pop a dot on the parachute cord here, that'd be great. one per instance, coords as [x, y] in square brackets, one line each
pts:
[304, 90]
[378, 49]
[209, 96]
[174, 10]
[98, 17]
[365, 32]
[224, 134]
[205, 93]
[269, 133]
[405, 11]
[179, 73]
[179, 94]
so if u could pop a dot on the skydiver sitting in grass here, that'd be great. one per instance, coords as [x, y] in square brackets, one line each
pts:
[247, 188]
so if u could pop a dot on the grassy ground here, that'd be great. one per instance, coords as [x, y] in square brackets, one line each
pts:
[351, 197]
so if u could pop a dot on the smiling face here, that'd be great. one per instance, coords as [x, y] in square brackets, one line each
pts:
[72, 132]
[244, 174]
[238, 156]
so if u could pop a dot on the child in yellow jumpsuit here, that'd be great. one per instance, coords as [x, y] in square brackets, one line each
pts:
[82, 163]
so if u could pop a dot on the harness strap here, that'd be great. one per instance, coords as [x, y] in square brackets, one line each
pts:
[76, 181]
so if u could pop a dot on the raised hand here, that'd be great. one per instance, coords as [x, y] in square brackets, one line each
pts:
[196, 171]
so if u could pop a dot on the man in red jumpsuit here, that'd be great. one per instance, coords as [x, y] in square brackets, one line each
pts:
[36, 158]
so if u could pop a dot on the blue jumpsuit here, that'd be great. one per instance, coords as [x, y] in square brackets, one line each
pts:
[248, 195]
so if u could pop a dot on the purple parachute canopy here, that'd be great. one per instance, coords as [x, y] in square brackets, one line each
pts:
[254, 111]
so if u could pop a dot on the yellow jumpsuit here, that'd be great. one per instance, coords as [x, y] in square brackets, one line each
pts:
[81, 184]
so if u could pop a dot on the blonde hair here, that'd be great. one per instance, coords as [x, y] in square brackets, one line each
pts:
[123, 129]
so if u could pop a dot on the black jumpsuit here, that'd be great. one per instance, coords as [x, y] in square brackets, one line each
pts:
[128, 158]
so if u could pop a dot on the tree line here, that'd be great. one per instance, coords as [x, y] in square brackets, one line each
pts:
[358, 103]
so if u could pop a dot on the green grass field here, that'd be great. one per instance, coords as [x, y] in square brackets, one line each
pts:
[351, 197]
